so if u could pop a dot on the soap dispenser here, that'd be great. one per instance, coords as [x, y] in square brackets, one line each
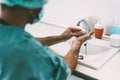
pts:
[98, 29]
[115, 27]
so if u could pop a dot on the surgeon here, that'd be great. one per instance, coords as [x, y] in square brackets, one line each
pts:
[23, 57]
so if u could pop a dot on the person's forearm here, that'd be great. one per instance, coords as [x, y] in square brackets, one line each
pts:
[72, 57]
[50, 40]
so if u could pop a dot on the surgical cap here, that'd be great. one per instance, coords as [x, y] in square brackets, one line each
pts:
[33, 4]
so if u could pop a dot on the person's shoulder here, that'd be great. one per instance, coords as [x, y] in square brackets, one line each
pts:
[18, 39]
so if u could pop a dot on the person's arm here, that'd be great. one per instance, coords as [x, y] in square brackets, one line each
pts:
[72, 56]
[67, 34]
[51, 40]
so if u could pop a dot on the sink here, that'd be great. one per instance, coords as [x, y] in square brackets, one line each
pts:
[96, 53]
[91, 48]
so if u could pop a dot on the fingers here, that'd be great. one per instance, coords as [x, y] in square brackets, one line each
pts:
[89, 34]
[74, 29]
[86, 36]
[81, 39]
[79, 33]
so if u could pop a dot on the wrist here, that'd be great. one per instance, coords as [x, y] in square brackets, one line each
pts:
[76, 44]
[63, 38]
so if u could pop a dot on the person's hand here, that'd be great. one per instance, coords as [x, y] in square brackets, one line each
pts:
[85, 37]
[72, 56]
[81, 39]
[70, 32]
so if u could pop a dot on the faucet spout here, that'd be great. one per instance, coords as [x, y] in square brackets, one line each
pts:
[85, 22]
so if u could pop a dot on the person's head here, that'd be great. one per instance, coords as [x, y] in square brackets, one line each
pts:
[31, 10]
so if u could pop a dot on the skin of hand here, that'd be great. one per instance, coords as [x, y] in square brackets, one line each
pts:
[83, 38]
[70, 32]
[72, 56]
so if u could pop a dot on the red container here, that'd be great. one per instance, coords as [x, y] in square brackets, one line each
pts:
[98, 33]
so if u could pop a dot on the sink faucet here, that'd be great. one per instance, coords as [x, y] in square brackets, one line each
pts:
[88, 30]
[84, 21]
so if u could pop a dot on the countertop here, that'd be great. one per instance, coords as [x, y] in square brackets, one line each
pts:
[110, 71]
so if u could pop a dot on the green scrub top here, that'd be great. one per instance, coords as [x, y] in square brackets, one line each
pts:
[22, 57]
